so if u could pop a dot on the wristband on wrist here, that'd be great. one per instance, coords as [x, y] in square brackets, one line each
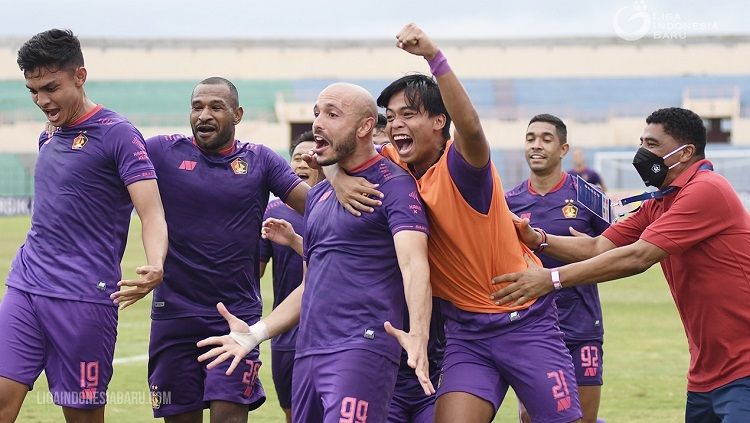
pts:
[556, 279]
[542, 245]
[439, 64]
[256, 334]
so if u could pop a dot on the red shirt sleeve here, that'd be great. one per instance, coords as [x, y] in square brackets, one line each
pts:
[699, 212]
[628, 231]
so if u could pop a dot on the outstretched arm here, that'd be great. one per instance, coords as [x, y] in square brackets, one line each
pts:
[411, 250]
[243, 338]
[617, 263]
[469, 136]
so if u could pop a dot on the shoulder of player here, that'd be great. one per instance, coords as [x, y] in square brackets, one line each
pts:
[171, 139]
[705, 185]
[273, 205]
[519, 189]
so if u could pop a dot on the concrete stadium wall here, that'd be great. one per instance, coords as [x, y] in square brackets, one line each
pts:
[350, 59]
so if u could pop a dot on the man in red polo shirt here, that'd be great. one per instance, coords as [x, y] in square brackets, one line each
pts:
[699, 231]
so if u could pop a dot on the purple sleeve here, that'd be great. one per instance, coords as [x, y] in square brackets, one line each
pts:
[403, 206]
[266, 250]
[308, 208]
[129, 152]
[279, 176]
[474, 183]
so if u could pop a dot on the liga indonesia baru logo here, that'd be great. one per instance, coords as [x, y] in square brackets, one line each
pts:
[631, 23]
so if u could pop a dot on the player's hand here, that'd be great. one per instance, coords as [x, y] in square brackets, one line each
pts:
[150, 277]
[415, 346]
[412, 39]
[278, 231]
[575, 233]
[521, 287]
[356, 194]
[526, 233]
[227, 345]
[311, 159]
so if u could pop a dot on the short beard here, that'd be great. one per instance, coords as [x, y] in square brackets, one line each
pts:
[342, 150]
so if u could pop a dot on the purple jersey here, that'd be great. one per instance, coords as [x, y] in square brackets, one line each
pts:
[81, 209]
[353, 282]
[213, 205]
[578, 307]
[287, 267]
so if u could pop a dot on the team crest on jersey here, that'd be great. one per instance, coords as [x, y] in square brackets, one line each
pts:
[79, 141]
[155, 397]
[239, 166]
[569, 210]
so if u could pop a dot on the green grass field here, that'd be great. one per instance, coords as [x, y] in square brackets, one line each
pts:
[645, 351]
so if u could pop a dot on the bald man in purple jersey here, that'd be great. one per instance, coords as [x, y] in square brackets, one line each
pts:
[60, 311]
[547, 198]
[360, 273]
[215, 190]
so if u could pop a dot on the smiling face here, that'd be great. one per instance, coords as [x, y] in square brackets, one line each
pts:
[543, 149]
[58, 93]
[213, 116]
[416, 135]
[299, 166]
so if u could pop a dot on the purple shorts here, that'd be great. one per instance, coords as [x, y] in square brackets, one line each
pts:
[588, 360]
[182, 383]
[530, 357]
[409, 403]
[353, 386]
[282, 364]
[72, 341]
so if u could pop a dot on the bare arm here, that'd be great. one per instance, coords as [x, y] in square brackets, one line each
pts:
[296, 198]
[564, 248]
[411, 250]
[613, 264]
[147, 202]
[469, 136]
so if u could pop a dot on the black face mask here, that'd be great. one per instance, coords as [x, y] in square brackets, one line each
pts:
[651, 167]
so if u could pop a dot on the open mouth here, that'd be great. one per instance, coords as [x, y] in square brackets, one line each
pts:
[404, 143]
[321, 144]
[205, 130]
[303, 175]
[52, 114]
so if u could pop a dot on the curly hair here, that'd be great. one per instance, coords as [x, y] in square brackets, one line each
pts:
[683, 125]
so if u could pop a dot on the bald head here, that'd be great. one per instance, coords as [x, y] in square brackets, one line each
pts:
[353, 98]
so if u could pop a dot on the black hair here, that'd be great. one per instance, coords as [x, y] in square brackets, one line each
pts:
[217, 80]
[683, 125]
[562, 130]
[303, 137]
[54, 50]
[382, 122]
[421, 93]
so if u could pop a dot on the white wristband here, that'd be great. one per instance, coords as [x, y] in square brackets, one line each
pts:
[556, 279]
[255, 334]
